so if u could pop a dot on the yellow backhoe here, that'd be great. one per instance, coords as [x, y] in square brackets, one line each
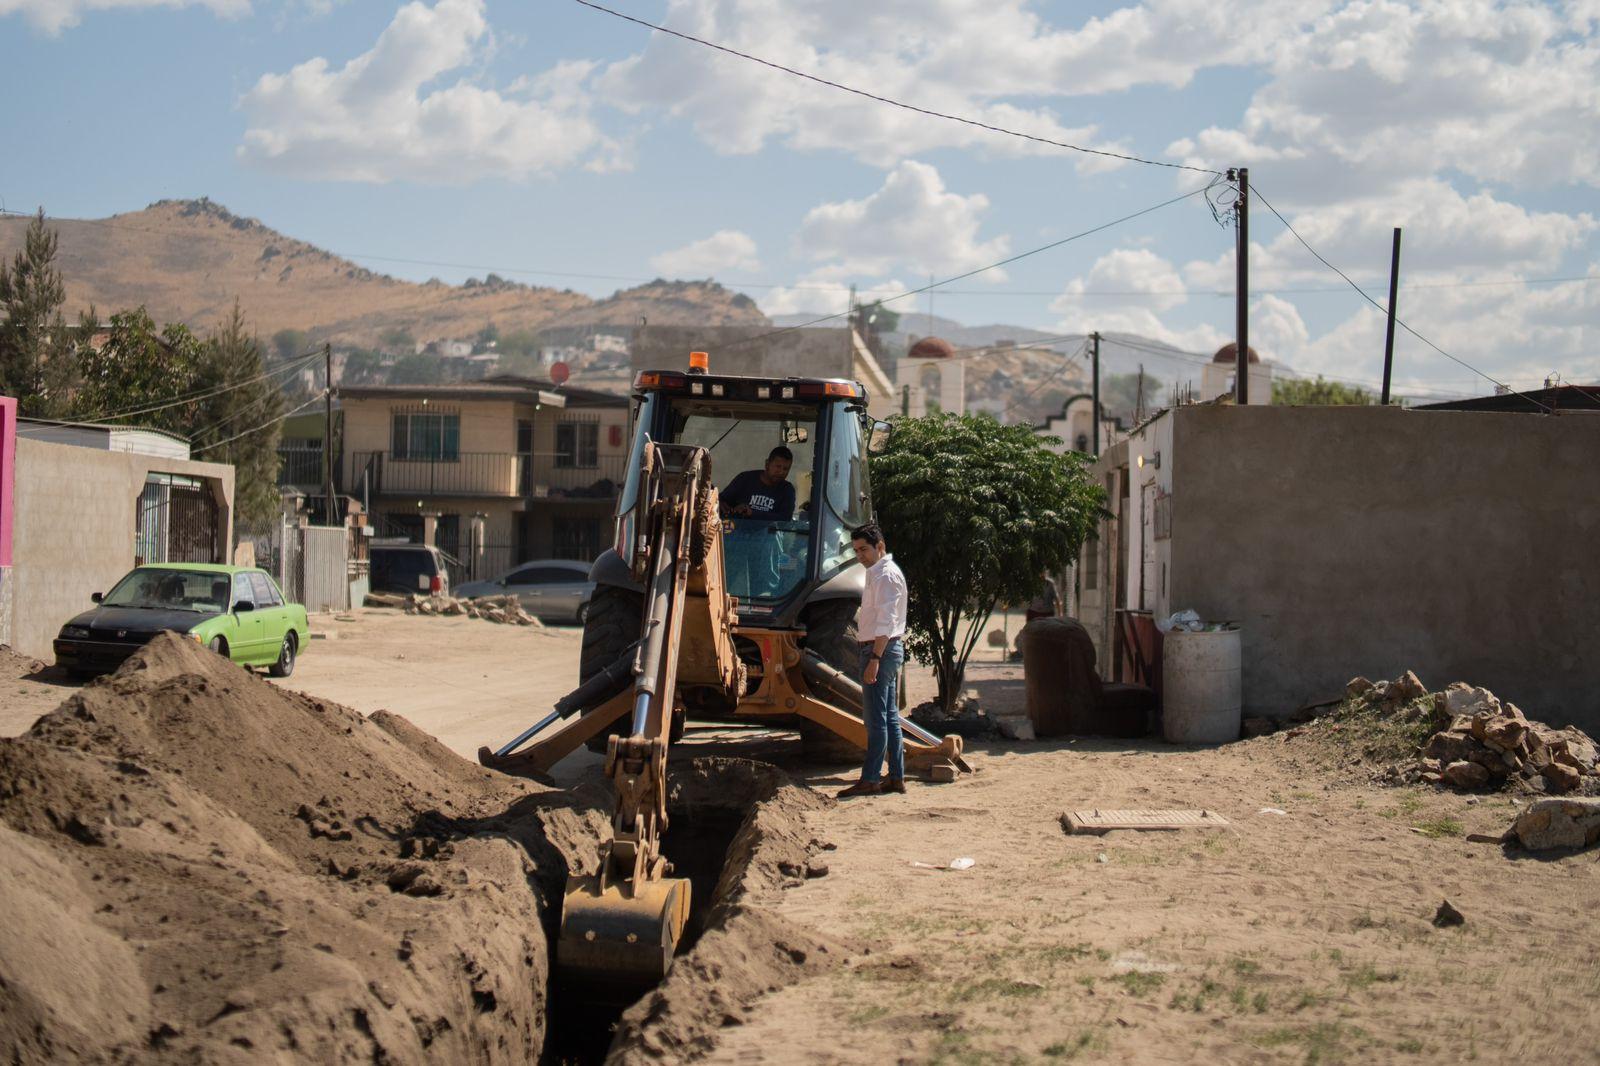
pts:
[726, 617]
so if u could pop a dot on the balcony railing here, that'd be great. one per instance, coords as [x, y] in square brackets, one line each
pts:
[300, 468]
[464, 474]
[566, 476]
[540, 475]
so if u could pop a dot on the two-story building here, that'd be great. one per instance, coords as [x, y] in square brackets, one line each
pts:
[494, 473]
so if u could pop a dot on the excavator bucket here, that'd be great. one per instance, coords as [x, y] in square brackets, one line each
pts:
[618, 940]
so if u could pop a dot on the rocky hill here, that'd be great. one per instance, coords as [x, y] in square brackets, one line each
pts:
[188, 260]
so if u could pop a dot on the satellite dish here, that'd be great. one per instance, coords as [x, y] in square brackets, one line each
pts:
[560, 372]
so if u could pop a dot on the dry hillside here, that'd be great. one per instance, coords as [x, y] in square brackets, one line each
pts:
[187, 260]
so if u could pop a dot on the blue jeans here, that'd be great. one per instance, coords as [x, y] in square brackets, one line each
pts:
[882, 715]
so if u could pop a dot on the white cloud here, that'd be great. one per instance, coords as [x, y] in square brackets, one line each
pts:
[1378, 93]
[961, 57]
[53, 16]
[912, 223]
[726, 249]
[388, 113]
[1446, 237]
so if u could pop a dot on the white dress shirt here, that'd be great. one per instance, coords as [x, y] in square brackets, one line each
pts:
[883, 602]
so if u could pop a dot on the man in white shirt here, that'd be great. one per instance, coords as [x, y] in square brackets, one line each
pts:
[880, 625]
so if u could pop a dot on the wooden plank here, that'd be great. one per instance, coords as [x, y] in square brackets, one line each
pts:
[1103, 821]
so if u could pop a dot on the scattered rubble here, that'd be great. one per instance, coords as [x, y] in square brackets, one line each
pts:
[506, 610]
[1469, 739]
[1548, 824]
[970, 721]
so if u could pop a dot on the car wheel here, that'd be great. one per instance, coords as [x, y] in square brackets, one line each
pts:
[218, 645]
[285, 664]
[583, 613]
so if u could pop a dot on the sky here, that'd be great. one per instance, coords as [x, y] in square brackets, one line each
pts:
[560, 145]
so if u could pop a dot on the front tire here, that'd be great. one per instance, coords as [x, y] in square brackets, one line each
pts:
[612, 621]
[286, 658]
[220, 646]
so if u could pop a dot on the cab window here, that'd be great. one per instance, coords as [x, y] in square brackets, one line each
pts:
[263, 593]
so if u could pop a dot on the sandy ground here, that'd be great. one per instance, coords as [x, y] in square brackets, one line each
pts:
[1301, 936]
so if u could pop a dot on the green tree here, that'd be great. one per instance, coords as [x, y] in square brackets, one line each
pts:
[137, 368]
[288, 343]
[879, 318]
[240, 422]
[397, 340]
[1305, 392]
[36, 345]
[416, 370]
[1119, 395]
[975, 513]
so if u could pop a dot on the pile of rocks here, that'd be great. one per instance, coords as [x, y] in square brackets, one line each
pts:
[1489, 742]
[506, 610]
[1482, 741]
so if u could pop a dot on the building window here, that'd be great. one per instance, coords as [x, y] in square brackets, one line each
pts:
[1083, 442]
[428, 437]
[582, 539]
[577, 445]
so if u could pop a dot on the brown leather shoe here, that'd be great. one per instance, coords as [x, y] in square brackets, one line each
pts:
[861, 788]
[894, 784]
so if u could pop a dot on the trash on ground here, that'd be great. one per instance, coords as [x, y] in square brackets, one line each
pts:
[953, 864]
[1098, 821]
[1447, 916]
[1272, 810]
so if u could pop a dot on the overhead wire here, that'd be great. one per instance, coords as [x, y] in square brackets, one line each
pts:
[297, 363]
[1397, 321]
[963, 120]
[979, 270]
[1065, 363]
[257, 429]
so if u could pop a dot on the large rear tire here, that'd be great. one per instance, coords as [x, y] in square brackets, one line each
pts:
[611, 624]
[831, 634]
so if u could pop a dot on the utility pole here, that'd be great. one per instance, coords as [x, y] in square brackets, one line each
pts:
[332, 515]
[1394, 295]
[1094, 414]
[1241, 375]
[1138, 398]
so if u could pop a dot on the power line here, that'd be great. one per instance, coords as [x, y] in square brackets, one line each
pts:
[1065, 363]
[264, 425]
[1381, 307]
[979, 270]
[297, 363]
[888, 100]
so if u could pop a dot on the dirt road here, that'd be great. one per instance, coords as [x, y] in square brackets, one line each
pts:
[1300, 933]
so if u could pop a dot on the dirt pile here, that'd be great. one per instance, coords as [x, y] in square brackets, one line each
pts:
[746, 949]
[1467, 738]
[198, 864]
[506, 610]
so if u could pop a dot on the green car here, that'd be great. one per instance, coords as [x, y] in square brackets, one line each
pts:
[237, 611]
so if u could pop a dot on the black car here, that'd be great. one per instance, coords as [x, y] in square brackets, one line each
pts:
[409, 569]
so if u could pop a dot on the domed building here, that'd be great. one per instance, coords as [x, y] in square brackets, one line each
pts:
[1217, 377]
[931, 378]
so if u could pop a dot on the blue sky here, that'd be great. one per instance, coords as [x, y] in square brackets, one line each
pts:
[547, 136]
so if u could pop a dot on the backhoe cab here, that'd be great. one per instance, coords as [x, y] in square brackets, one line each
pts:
[739, 609]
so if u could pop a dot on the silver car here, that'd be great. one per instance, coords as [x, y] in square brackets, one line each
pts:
[555, 589]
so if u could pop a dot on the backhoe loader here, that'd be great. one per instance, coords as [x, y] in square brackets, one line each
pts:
[719, 616]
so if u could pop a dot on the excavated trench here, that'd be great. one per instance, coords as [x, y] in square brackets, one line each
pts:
[334, 887]
[736, 831]
[581, 1027]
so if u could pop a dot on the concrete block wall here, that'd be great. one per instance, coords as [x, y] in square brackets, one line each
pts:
[1367, 540]
[73, 529]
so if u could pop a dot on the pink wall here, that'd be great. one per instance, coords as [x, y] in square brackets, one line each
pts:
[8, 474]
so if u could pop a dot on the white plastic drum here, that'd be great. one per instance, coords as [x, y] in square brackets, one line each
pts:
[1201, 691]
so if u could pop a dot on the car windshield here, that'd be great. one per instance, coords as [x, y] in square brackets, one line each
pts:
[182, 590]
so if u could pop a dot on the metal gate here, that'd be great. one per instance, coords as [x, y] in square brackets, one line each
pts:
[310, 562]
[175, 522]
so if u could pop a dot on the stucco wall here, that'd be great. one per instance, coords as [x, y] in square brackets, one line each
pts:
[1364, 540]
[74, 529]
